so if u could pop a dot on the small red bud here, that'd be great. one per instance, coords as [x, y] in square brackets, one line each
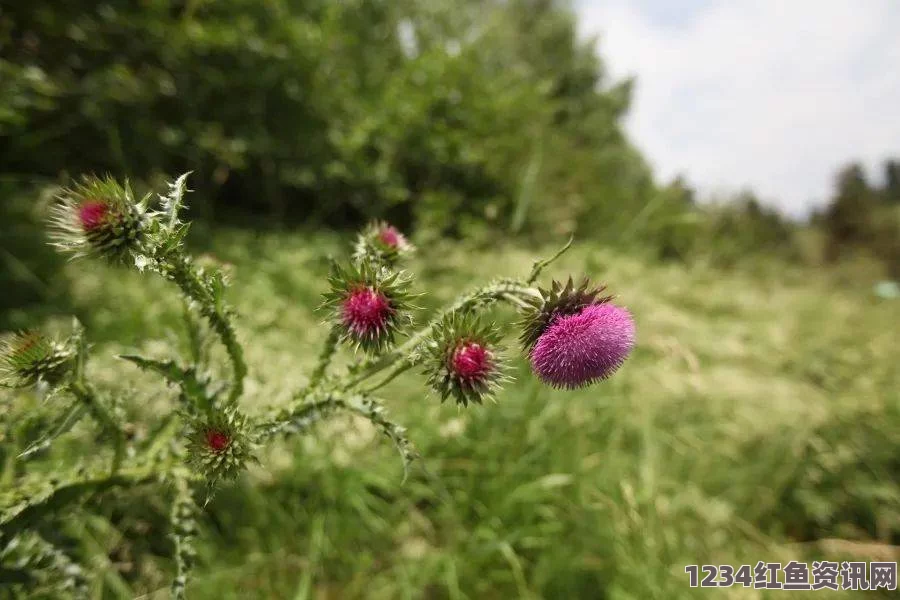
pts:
[217, 441]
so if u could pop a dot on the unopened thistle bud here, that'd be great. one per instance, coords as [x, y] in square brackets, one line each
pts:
[575, 337]
[98, 217]
[27, 358]
[464, 360]
[219, 445]
[380, 243]
[368, 304]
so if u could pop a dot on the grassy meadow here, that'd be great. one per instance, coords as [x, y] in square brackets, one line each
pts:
[757, 419]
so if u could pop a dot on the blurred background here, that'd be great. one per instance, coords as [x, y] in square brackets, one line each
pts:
[731, 170]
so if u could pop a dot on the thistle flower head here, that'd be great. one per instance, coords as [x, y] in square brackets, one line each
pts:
[26, 358]
[381, 244]
[220, 445]
[92, 215]
[560, 299]
[465, 360]
[368, 304]
[581, 348]
[390, 237]
[366, 311]
[98, 217]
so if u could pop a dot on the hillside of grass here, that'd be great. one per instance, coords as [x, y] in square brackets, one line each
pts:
[757, 419]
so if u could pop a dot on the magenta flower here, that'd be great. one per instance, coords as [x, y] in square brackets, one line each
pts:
[92, 214]
[390, 237]
[578, 349]
[99, 217]
[366, 312]
[472, 364]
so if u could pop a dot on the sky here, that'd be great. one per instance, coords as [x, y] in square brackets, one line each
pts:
[770, 95]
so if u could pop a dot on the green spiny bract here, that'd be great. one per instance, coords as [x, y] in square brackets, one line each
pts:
[381, 244]
[28, 358]
[464, 359]
[368, 304]
[560, 299]
[219, 445]
[99, 217]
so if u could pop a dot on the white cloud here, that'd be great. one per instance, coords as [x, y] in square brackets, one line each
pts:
[769, 94]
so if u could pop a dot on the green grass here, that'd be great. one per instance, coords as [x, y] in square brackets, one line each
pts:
[758, 416]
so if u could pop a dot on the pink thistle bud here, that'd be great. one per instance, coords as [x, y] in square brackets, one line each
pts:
[465, 360]
[99, 217]
[381, 244]
[390, 237]
[581, 348]
[368, 304]
[26, 358]
[471, 363]
[92, 214]
[366, 312]
[217, 441]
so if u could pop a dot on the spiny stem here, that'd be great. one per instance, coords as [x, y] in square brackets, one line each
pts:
[189, 281]
[325, 357]
[184, 529]
[401, 368]
[542, 264]
[299, 419]
[86, 395]
[509, 290]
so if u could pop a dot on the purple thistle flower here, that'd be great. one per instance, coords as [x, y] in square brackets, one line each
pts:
[579, 349]
[366, 312]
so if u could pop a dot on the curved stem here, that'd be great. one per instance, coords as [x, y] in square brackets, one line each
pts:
[508, 290]
[403, 366]
[86, 395]
[328, 351]
[188, 280]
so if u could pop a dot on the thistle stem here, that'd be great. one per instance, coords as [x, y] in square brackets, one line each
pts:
[508, 290]
[193, 287]
[325, 357]
[403, 366]
[86, 395]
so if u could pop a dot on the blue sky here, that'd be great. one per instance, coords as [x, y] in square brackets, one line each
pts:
[773, 95]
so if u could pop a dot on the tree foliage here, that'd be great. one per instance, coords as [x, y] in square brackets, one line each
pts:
[335, 112]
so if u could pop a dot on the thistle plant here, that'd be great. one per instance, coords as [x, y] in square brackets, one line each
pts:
[571, 334]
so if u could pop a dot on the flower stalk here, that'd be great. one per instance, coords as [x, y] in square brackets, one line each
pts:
[571, 335]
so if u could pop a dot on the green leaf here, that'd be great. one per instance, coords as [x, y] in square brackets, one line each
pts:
[376, 414]
[33, 499]
[61, 425]
[173, 202]
[30, 560]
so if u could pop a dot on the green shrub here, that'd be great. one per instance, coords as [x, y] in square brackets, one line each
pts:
[330, 112]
